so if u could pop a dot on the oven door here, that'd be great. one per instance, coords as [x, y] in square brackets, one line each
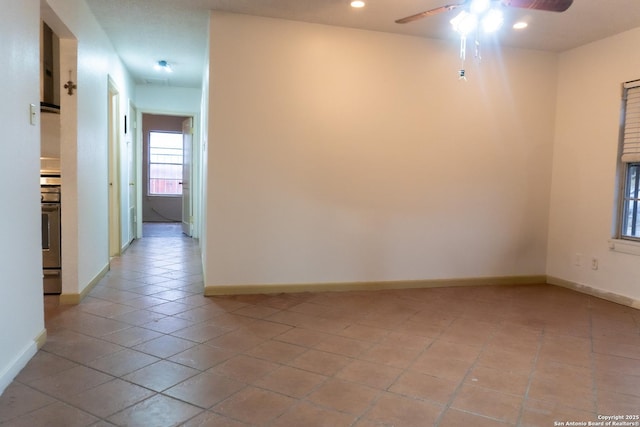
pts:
[51, 235]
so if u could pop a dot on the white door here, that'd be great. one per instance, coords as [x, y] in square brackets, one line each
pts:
[187, 154]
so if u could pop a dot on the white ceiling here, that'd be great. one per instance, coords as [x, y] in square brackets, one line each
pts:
[146, 31]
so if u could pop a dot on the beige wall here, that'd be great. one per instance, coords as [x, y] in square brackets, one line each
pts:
[339, 155]
[584, 169]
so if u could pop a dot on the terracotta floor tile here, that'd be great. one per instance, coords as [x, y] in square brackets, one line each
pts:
[565, 394]
[109, 398]
[122, 362]
[156, 411]
[131, 336]
[615, 403]
[210, 419]
[364, 333]
[505, 381]
[344, 346]
[344, 396]
[254, 406]
[168, 324]
[493, 356]
[201, 332]
[371, 374]
[308, 415]
[391, 355]
[290, 381]
[239, 340]
[205, 389]
[551, 371]
[442, 348]
[256, 311]
[78, 347]
[618, 383]
[441, 367]
[302, 337]
[455, 418]
[538, 413]
[566, 349]
[320, 362]
[358, 358]
[489, 403]
[42, 365]
[56, 415]
[164, 346]
[70, 382]
[246, 369]
[202, 356]
[425, 387]
[277, 351]
[161, 375]
[396, 410]
[266, 329]
[18, 399]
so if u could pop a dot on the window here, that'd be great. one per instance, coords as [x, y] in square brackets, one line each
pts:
[165, 164]
[631, 202]
[629, 227]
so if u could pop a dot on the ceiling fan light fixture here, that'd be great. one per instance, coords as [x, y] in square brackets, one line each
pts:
[163, 65]
[492, 21]
[357, 3]
[464, 23]
[478, 7]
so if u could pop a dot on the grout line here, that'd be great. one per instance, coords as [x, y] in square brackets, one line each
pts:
[531, 374]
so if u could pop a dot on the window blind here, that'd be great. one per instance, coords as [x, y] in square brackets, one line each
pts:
[631, 139]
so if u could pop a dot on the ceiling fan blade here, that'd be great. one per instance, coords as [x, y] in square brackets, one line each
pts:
[548, 5]
[431, 12]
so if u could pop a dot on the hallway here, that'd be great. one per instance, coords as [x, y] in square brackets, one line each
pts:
[145, 348]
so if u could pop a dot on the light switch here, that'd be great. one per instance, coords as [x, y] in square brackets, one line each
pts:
[33, 118]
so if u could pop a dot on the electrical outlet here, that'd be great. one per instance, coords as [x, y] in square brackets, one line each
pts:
[594, 263]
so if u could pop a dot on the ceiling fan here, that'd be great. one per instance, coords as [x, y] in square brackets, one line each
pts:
[486, 14]
[545, 5]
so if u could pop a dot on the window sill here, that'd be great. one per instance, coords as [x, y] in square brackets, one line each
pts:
[625, 246]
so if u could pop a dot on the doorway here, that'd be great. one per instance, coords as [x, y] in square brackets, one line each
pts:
[166, 170]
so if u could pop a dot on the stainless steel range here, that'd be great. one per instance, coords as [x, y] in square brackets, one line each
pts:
[51, 237]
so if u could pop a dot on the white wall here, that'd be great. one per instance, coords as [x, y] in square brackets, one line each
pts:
[85, 146]
[584, 165]
[21, 308]
[167, 99]
[340, 155]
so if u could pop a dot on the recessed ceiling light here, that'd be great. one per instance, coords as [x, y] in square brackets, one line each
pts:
[520, 25]
[357, 3]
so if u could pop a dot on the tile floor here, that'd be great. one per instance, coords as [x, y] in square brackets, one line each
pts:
[145, 348]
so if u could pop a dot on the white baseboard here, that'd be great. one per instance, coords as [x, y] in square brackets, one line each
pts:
[20, 361]
[76, 298]
[609, 296]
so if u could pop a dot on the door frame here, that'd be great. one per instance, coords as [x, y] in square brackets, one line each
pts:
[113, 124]
[196, 181]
